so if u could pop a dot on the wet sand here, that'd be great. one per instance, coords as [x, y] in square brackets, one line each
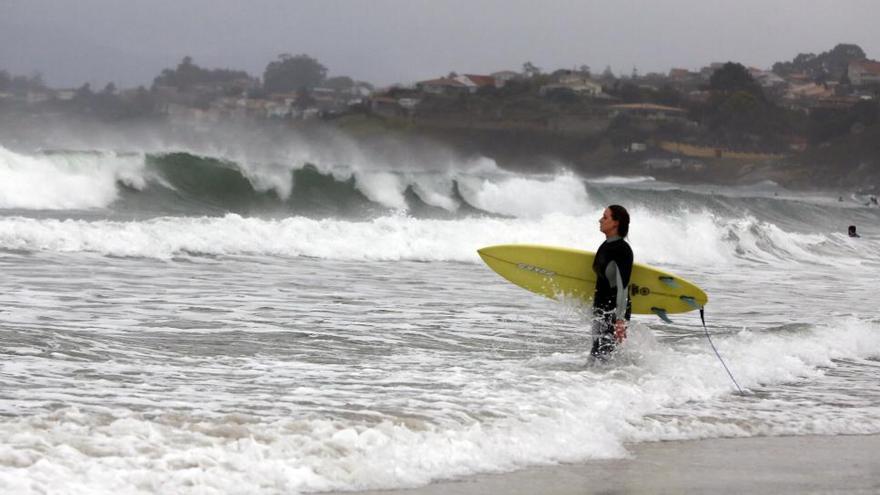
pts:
[771, 465]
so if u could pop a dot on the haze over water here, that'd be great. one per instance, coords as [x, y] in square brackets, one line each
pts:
[237, 316]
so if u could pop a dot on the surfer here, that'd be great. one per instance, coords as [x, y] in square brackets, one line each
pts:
[613, 265]
[852, 231]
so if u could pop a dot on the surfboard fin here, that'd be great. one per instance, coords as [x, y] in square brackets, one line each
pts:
[662, 314]
[690, 301]
[670, 282]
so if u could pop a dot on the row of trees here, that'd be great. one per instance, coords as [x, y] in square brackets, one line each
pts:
[289, 73]
[20, 84]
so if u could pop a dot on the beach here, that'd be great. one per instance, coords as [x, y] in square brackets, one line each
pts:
[757, 465]
[307, 322]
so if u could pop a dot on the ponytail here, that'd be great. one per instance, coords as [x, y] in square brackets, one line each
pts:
[621, 216]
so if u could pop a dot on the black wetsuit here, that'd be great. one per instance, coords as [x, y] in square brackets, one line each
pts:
[613, 267]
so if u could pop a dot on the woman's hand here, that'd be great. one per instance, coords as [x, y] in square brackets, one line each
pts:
[620, 331]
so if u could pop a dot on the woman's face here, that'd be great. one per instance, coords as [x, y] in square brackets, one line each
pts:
[608, 225]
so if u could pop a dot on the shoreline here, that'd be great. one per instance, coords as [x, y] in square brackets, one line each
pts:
[756, 465]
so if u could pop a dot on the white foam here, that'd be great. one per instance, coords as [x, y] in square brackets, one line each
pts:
[540, 414]
[66, 181]
[698, 239]
[527, 197]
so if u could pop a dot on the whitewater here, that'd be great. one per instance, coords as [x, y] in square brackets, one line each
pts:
[209, 318]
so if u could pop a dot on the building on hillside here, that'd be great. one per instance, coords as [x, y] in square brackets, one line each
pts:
[504, 76]
[767, 79]
[706, 72]
[799, 78]
[862, 72]
[387, 106]
[409, 104]
[809, 91]
[443, 86]
[277, 110]
[65, 94]
[476, 82]
[288, 99]
[578, 82]
[682, 76]
[34, 97]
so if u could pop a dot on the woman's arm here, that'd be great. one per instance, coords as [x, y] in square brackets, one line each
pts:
[616, 282]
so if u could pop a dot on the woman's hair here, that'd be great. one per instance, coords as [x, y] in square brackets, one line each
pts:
[621, 216]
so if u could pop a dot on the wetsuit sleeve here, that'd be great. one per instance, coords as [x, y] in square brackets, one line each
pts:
[616, 282]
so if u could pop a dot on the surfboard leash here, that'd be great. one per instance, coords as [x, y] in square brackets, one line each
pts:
[709, 338]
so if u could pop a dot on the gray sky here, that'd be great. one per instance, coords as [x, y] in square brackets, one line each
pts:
[384, 41]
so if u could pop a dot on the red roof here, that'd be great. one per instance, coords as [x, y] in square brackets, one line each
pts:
[868, 65]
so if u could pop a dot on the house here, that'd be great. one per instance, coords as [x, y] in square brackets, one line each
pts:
[277, 110]
[287, 99]
[443, 86]
[504, 76]
[706, 72]
[809, 91]
[577, 82]
[386, 106]
[799, 78]
[682, 75]
[766, 78]
[408, 103]
[65, 94]
[34, 97]
[475, 82]
[862, 72]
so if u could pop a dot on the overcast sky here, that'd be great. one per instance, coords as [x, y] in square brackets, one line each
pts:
[129, 42]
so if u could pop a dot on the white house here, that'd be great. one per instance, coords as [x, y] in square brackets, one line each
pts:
[443, 85]
[503, 76]
[862, 72]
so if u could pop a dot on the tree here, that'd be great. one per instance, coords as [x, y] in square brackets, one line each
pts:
[628, 92]
[739, 111]
[530, 70]
[23, 84]
[834, 62]
[291, 73]
[733, 77]
[339, 83]
[188, 74]
[668, 95]
[84, 92]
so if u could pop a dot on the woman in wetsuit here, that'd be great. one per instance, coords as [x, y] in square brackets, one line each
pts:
[613, 266]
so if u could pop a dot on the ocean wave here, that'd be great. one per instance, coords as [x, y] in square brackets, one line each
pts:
[187, 183]
[689, 238]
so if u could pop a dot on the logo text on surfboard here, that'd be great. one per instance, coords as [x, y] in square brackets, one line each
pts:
[536, 269]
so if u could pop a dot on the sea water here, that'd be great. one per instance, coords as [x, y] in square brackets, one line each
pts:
[195, 319]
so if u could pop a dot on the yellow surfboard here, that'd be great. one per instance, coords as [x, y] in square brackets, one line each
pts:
[560, 272]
